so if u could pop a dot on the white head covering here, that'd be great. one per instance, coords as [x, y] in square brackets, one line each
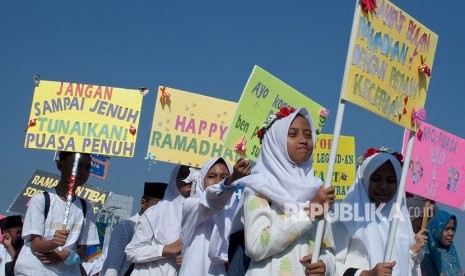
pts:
[275, 175]
[374, 232]
[165, 217]
[216, 223]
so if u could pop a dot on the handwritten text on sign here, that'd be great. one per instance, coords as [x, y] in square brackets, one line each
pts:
[189, 128]
[84, 118]
[437, 167]
[388, 47]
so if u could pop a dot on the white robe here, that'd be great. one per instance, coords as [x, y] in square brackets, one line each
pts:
[355, 254]
[196, 261]
[361, 242]
[159, 225]
[146, 252]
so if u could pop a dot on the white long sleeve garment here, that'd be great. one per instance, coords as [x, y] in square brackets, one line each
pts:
[276, 242]
[146, 252]
[198, 216]
[352, 253]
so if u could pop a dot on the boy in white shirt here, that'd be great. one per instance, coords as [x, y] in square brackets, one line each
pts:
[42, 230]
[11, 244]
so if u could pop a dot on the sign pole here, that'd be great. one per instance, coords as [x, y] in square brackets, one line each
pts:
[334, 145]
[399, 198]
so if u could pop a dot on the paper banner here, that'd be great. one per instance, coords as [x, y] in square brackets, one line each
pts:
[99, 166]
[188, 128]
[263, 95]
[84, 118]
[383, 63]
[345, 166]
[42, 181]
[437, 167]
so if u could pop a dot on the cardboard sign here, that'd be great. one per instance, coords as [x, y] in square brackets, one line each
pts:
[41, 181]
[382, 72]
[345, 166]
[188, 128]
[263, 95]
[84, 118]
[437, 166]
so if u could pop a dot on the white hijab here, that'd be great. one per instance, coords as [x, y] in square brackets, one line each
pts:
[374, 232]
[218, 224]
[276, 176]
[165, 217]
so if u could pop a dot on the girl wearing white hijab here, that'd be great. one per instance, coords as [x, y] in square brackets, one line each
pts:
[278, 241]
[361, 242]
[205, 221]
[156, 241]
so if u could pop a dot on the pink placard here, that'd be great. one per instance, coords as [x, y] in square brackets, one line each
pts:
[437, 167]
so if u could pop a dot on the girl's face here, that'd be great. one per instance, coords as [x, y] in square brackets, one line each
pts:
[383, 184]
[215, 174]
[448, 234]
[183, 187]
[299, 140]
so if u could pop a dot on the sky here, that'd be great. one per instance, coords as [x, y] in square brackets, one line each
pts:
[207, 47]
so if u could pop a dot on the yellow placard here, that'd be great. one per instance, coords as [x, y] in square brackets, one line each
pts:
[383, 74]
[345, 166]
[84, 118]
[263, 95]
[188, 128]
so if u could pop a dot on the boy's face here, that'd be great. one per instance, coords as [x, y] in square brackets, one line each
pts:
[66, 167]
[147, 202]
[15, 235]
[183, 187]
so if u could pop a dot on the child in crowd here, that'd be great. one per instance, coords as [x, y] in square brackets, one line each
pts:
[116, 263]
[280, 201]
[156, 242]
[205, 220]
[11, 244]
[361, 242]
[42, 230]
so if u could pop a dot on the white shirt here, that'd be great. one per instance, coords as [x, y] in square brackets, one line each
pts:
[82, 232]
[4, 258]
[116, 263]
[146, 252]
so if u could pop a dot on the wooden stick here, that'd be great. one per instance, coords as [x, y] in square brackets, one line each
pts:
[426, 214]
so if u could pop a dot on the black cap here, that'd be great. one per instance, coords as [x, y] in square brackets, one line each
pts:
[11, 222]
[155, 189]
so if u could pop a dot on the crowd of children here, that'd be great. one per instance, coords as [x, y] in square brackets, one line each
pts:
[196, 226]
